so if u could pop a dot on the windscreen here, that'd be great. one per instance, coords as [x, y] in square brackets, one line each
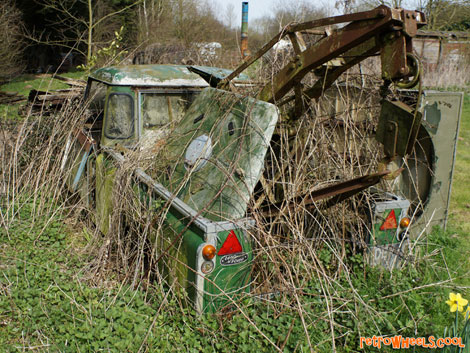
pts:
[120, 117]
[159, 109]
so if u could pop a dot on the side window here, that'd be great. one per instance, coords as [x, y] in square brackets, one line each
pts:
[158, 109]
[96, 96]
[119, 116]
[95, 103]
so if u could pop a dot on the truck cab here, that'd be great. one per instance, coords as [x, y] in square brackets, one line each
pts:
[216, 141]
[134, 105]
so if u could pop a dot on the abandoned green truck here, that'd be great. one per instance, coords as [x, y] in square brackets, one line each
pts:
[216, 141]
[138, 104]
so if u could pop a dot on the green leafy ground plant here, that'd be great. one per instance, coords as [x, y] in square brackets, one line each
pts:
[48, 302]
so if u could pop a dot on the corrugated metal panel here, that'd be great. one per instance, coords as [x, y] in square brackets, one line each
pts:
[437, 47]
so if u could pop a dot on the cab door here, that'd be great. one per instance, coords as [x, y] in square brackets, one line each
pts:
[120, 131]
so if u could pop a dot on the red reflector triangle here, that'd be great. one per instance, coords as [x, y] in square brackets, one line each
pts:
[231, 245]
[390, 222]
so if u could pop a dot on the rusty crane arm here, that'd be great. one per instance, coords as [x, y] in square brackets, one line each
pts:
[381, 30]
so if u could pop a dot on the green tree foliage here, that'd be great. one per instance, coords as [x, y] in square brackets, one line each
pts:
[88, 26]
[188, 21]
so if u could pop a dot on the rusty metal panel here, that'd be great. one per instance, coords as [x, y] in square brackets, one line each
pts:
[336, 192]
[438, 47]
[396, 128]
[426, 180]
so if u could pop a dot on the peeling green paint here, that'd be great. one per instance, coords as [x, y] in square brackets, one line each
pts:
[233, 279]
[432, 117]
[105, 177]
[436, 186]
[427, 180]
[240, 128]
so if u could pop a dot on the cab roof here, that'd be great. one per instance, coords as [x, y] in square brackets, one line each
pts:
[161, 75]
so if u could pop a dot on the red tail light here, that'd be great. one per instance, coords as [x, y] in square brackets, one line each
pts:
[231, 245]
[390, 222]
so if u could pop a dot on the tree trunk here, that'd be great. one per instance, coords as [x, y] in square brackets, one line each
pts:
[90, 31]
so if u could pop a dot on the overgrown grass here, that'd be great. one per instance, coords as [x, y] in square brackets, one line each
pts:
[47, 303]
[460, 200]
[25, 83]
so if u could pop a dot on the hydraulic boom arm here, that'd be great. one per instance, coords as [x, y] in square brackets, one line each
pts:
[381, 30]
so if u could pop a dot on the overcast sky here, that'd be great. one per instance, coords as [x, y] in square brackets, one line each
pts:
[260, 8]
